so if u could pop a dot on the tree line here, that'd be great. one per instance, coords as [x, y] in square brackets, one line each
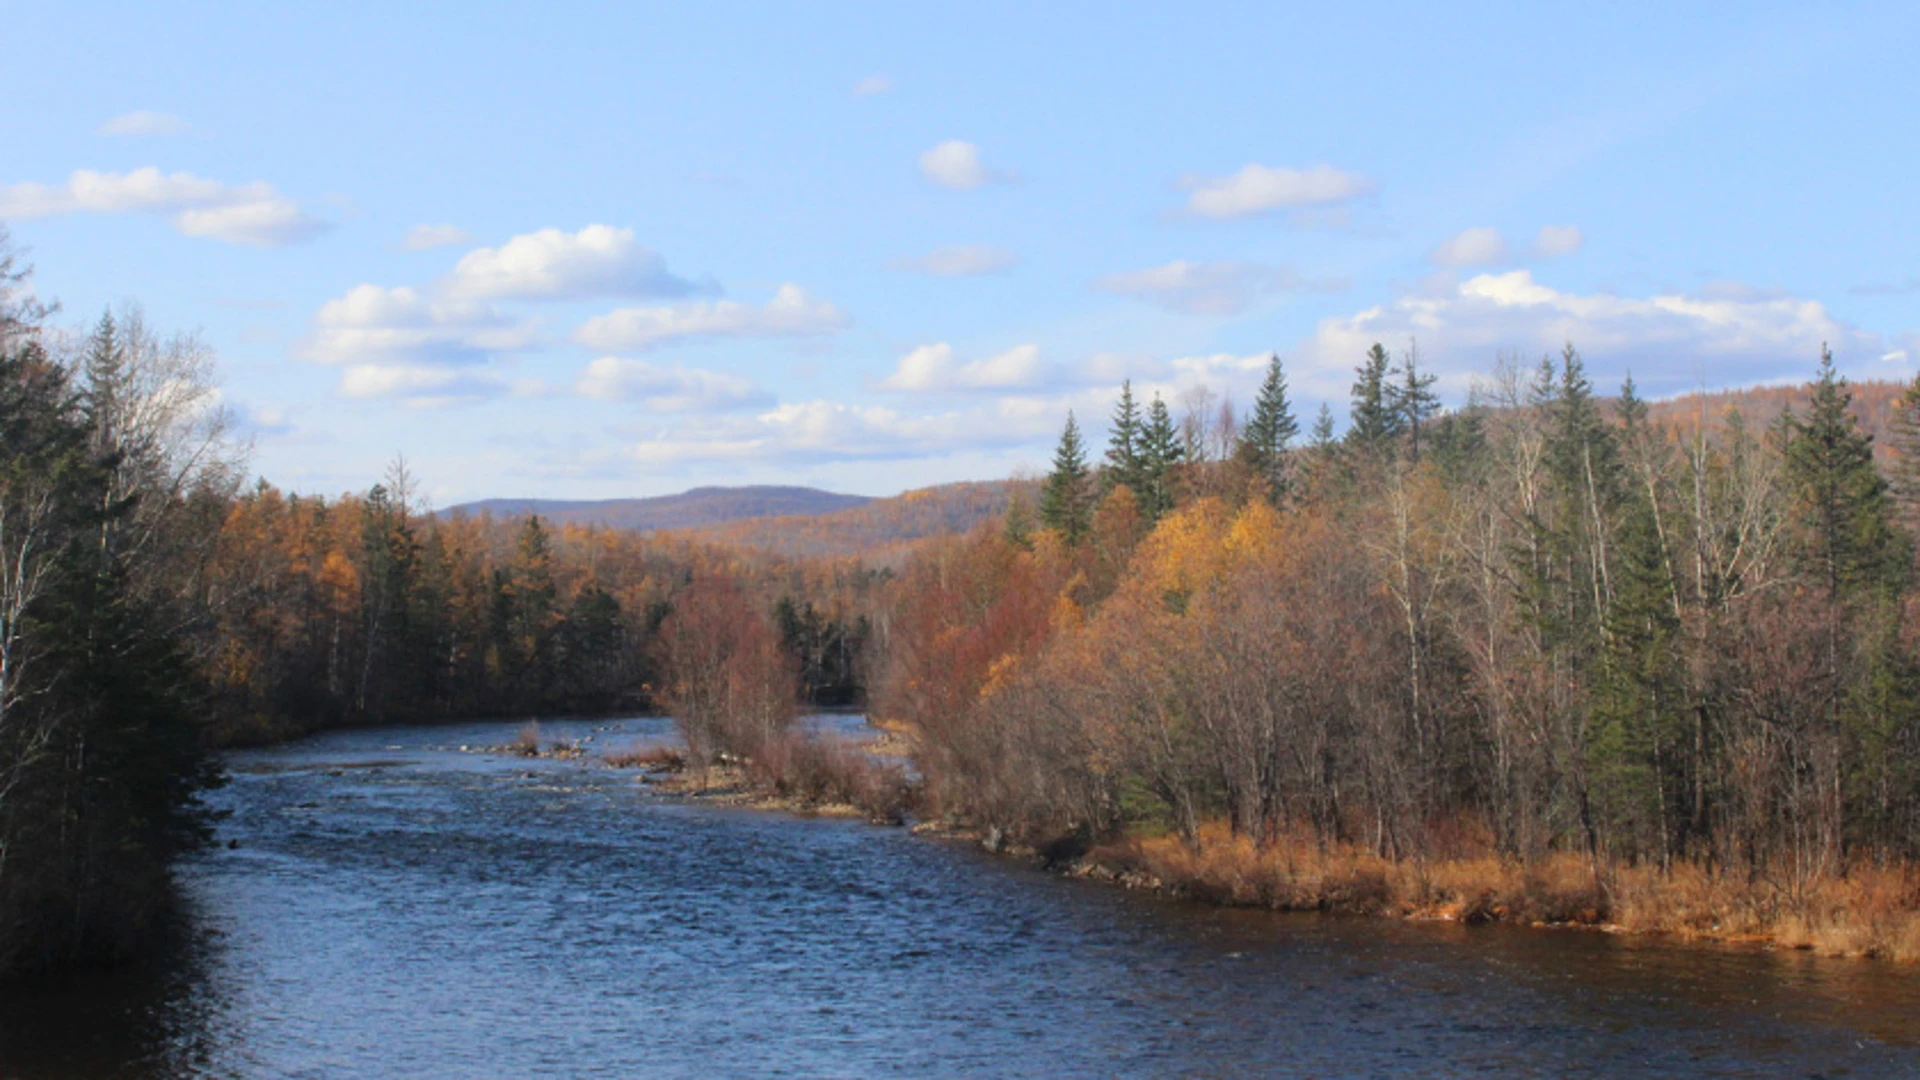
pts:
[1540, 623]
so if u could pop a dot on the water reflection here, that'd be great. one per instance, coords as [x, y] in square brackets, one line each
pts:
[398, 907]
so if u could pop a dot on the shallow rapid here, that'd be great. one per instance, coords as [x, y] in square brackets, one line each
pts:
[382, 903]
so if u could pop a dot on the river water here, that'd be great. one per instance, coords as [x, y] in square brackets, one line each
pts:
[392, 906]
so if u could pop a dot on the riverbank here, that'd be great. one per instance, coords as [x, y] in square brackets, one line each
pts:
[1872, 912]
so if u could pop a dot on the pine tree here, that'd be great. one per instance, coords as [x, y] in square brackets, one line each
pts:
[1412, 400]
[1373, 423]
[1123, 444]
[1066, 501]
[1161, 452]
[1264, 440]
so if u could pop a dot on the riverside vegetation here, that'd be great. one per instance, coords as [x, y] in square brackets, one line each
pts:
[1545, 657]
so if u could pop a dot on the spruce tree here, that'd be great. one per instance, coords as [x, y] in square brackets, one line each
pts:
[1411, 400]
[1847, 537]
[1123, 444]
[1066, 501]
[1639, 713]
[1264, 440]
[1322, 437]
[1161, 452]
[1374, 423]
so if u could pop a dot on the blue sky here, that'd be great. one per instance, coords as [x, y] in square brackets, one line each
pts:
[610, 250]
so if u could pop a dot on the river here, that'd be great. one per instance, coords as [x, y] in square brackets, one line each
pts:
[383, 904]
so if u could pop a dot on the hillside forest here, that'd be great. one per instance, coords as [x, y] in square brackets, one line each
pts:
[1584, 643]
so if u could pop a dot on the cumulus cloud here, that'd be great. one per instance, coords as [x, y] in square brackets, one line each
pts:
[871, 85]
[668, 388]
[144, 123]
[402, 327]
[966, 260]
[1666, 340]
[254, 214]
[1262, 189]
[932, 367]
[429, 237]
[791, 313]
[956, 165]
[599, 260]
[1210, 288]
[1472, 247]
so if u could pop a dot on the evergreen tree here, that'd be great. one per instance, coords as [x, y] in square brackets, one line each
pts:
[1066, 501]
[1904, 478]
[1639, 714]
[1848, 543]
[100, 752]
[1411, 400]
[1123, 444]
[1373, 422]
[1161, 452]
[1847, 536]
[1322, 438]
[1263, 441]
[535, 606]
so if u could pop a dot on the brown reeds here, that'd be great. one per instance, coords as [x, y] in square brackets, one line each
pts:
[1871, 911]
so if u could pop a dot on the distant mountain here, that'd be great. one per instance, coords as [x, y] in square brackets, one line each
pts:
[699, 508]
[881, 531]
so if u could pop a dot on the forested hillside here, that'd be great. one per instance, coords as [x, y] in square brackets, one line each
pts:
[688, 510]
[1875, 407]
[1542, 657]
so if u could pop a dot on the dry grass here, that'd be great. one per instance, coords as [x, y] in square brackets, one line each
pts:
[646, 757]
[819, 772]
[1870, 912]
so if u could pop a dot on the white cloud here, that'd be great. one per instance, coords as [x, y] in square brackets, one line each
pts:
[599, 260]
[1260, 189]
[966, 260]
[417, 386]
[253, 214]
[1210, 288]
[818, 431]
[402, 327]
[1556, 240]
[871, 85]
[956, 165]
[428, 237]
[1483, 246]
[142, 122]
[791, 313]
[932, 367]
[664, 388]
[1668, 341]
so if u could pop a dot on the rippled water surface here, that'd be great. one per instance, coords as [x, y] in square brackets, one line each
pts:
[392, 906]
